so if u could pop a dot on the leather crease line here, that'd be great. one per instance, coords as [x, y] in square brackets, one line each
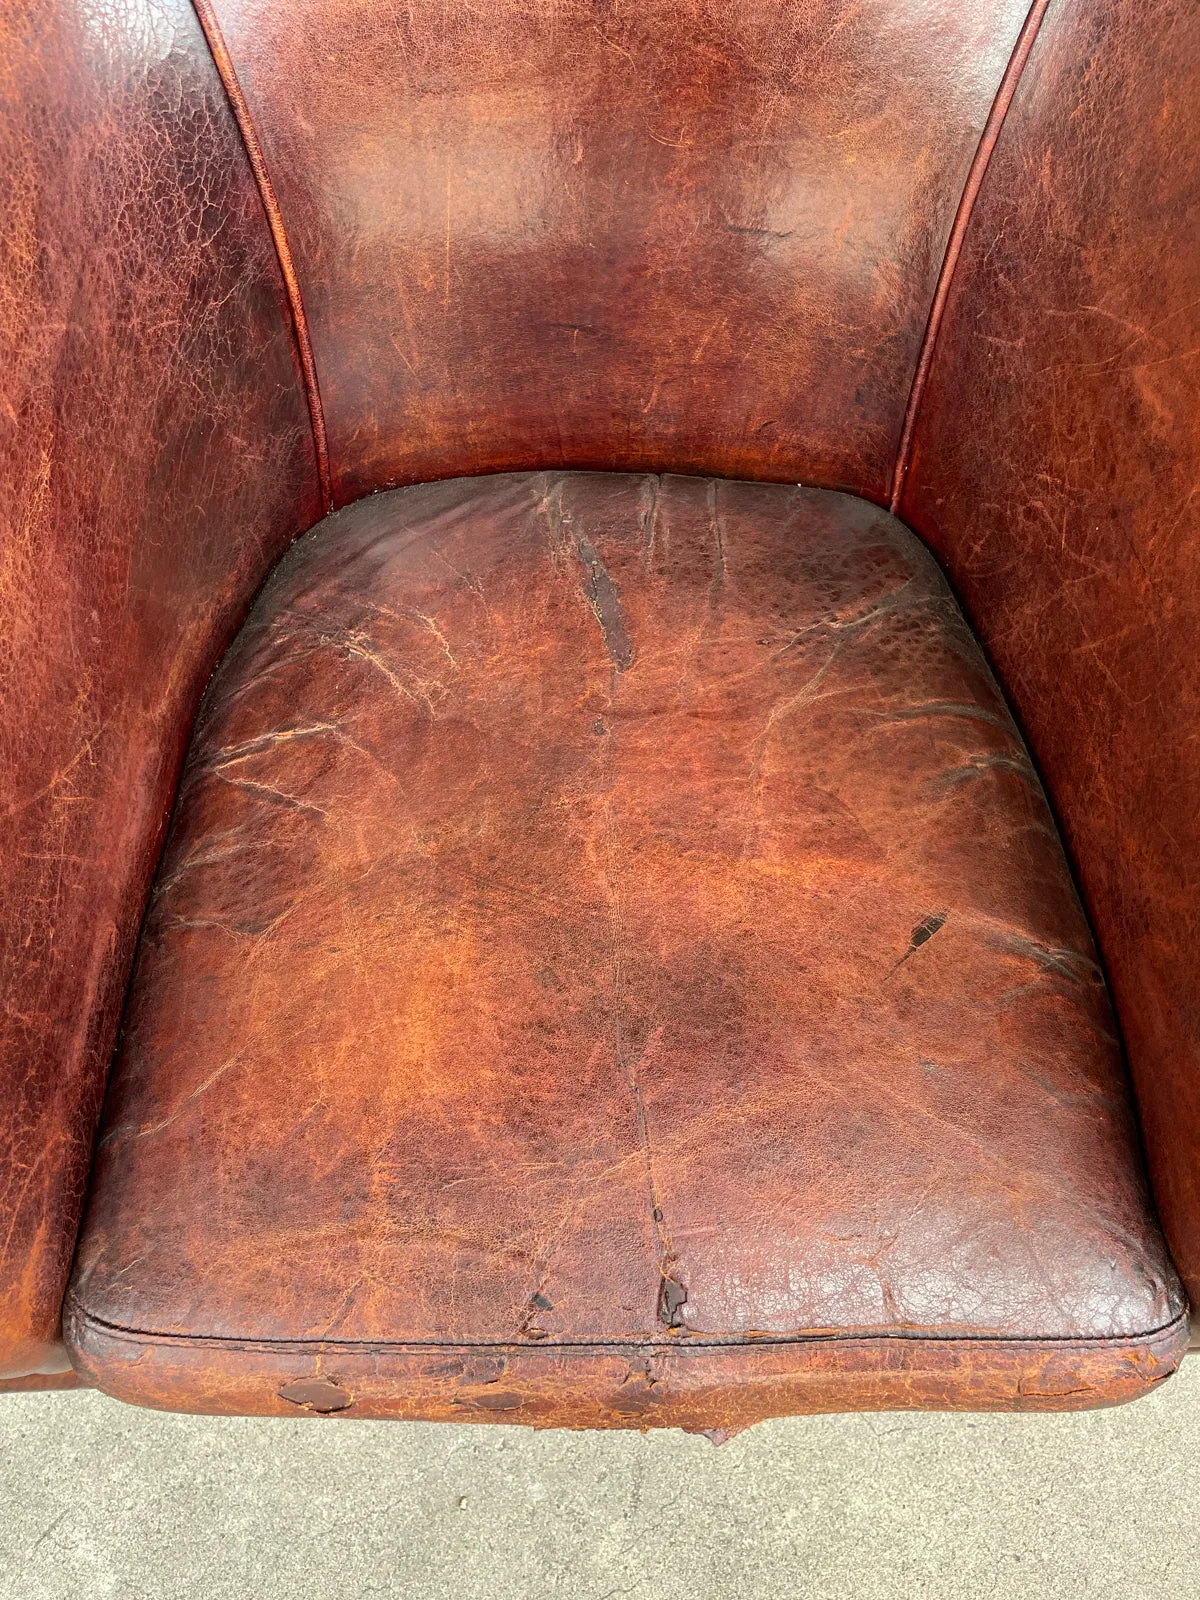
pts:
[976, 174]
[254, 154]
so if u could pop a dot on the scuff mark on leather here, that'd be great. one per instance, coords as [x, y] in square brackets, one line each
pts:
[1072, 964]
[528, 1328]
[714, 522]
[759, 233]
[640, 1390]
[272, 796]
[982, 765]
[502, 1400]
[126, 1130]
[672, 1295]
[604, 600]
[599, 590]
[649, 519]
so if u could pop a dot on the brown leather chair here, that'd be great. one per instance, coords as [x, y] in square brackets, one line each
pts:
[611, 961]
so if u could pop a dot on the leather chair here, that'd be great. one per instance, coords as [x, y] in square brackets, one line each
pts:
[530, 531]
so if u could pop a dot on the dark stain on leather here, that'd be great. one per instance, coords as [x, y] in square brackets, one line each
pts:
[921, 934]
[672, 1297]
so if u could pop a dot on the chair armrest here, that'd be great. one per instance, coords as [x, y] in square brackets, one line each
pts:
[155, 457]
[1056, 472]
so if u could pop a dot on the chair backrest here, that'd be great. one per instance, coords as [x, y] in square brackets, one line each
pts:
[681, 235]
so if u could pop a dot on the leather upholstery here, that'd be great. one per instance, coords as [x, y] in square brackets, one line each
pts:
[613, 964]
[665, 236]
[1055, 472]
[679, 235]
[155, 456]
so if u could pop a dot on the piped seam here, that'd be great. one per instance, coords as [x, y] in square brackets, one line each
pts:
[254, 154]
[988, 141]
[694, 1342]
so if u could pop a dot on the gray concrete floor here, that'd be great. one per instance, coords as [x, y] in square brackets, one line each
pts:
[99, 1499]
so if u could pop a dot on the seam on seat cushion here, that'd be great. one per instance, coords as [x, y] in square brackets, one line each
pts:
[697, 1342]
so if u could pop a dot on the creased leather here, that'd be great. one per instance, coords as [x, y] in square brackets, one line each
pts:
[606, 918]
[1055, 472]
[155, 457]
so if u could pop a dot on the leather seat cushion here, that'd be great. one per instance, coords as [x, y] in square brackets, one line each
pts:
[613, 963]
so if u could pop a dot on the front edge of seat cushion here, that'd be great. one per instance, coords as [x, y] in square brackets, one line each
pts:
[613, 964]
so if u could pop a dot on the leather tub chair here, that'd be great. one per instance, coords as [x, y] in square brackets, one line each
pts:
[601, 704]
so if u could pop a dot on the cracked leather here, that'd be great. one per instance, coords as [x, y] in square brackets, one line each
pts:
[155, 457]
[679, 235]
[613, 964]
[1055, 472]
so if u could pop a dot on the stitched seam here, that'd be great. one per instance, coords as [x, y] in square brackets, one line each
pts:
[266, 189]
[988, 140]
[698, 1342]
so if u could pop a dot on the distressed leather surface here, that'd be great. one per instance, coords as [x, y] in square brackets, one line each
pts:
[155, 457]
[1056, 472]
[679, 235]
[613, 963]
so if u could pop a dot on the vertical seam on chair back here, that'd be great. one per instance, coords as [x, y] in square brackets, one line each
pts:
[962, 220]
[254, 153]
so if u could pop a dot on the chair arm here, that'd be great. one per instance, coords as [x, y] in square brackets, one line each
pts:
[1056, 472]
[155, 457]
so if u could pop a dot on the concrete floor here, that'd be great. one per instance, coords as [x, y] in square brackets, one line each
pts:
[99, 1499]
